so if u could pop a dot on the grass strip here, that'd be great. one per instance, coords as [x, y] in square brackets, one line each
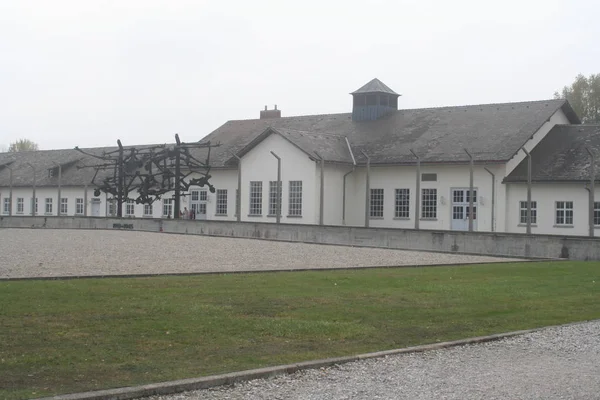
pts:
[69, 336]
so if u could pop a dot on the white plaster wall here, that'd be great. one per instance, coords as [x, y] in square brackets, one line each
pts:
[404, 177]
[557, 118]
[260, 165]
[220, 179]
[71, 193]
[334, 193]
[546, 196]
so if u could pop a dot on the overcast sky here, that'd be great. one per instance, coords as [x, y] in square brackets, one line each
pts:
[88, 72]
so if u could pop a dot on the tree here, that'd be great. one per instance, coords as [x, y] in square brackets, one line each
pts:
[22, 145]
[584, 97]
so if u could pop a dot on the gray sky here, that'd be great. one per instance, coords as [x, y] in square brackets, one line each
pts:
[88, 72]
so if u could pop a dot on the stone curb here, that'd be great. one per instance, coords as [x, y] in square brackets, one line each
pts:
[184, 385]
[262, 271]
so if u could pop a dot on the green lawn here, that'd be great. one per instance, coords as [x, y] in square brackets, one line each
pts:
[87, 334]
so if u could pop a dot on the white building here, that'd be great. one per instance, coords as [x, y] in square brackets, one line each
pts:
[377, 166]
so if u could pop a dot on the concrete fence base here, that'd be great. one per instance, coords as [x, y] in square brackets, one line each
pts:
[484, 243]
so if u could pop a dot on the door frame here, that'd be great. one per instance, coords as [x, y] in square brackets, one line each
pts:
[465, 205]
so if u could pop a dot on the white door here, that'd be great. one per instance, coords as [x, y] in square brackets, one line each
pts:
[95, 207]
[460, 209]
[198, 200]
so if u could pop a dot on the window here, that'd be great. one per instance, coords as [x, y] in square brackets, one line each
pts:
[429, 203]
[168, 208]
[64, 206]
[203, 195]
[6, 206]
[402, 203]
[48, 209]
[428, 177]
[564, 213]
[523, 212]
[394, 102]
[376, 203]
[20, 205]
[130, 207]
[148, 211]
[274, 198]
[79, 206]
[371, 100]
[221, 201]
[295, 206]
[597, 213]
[51, 172]
[112, 207]
[255, 198]
[195, 195]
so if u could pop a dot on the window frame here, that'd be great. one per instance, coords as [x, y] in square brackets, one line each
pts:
[295, 199]
[255, 196]
[130, 203]
[48, 206]
[64, 201]
[376, 203]
[523, 212]
[79, 203]
[597, 214]
[273, 195]
[145, 210]
[561, 211]
[428, 206]
[167, 208]
[221, 202]
[20, 205]
[402, 203]
[6, 206]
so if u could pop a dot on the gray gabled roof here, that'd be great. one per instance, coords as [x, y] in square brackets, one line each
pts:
[375, 86]
[561, 156]
[333, 148]
[42, 161]
[491, 132]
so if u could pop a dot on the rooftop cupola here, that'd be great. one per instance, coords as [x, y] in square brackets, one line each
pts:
[373, 100]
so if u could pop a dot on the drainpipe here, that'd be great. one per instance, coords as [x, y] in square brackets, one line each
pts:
[592, 190]
[528, 191]
[238, 197]
[33, 201]
[59, 182]
[418, 189]
[345, 175]
[470, 191]
[10, 193]
[493, 197]
[278, 216]
[322, 190]
[368, 189]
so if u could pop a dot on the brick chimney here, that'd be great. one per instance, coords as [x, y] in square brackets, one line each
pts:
[275, 113]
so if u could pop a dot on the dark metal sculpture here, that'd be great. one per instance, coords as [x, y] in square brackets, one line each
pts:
[151, 171]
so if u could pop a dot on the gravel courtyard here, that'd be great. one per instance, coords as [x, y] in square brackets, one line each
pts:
[63, 252]
[551, 364]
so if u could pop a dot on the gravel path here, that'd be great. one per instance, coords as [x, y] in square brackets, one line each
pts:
[63, 252]
[555, 363]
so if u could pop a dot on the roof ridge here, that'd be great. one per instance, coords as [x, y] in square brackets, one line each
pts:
[408, 109]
